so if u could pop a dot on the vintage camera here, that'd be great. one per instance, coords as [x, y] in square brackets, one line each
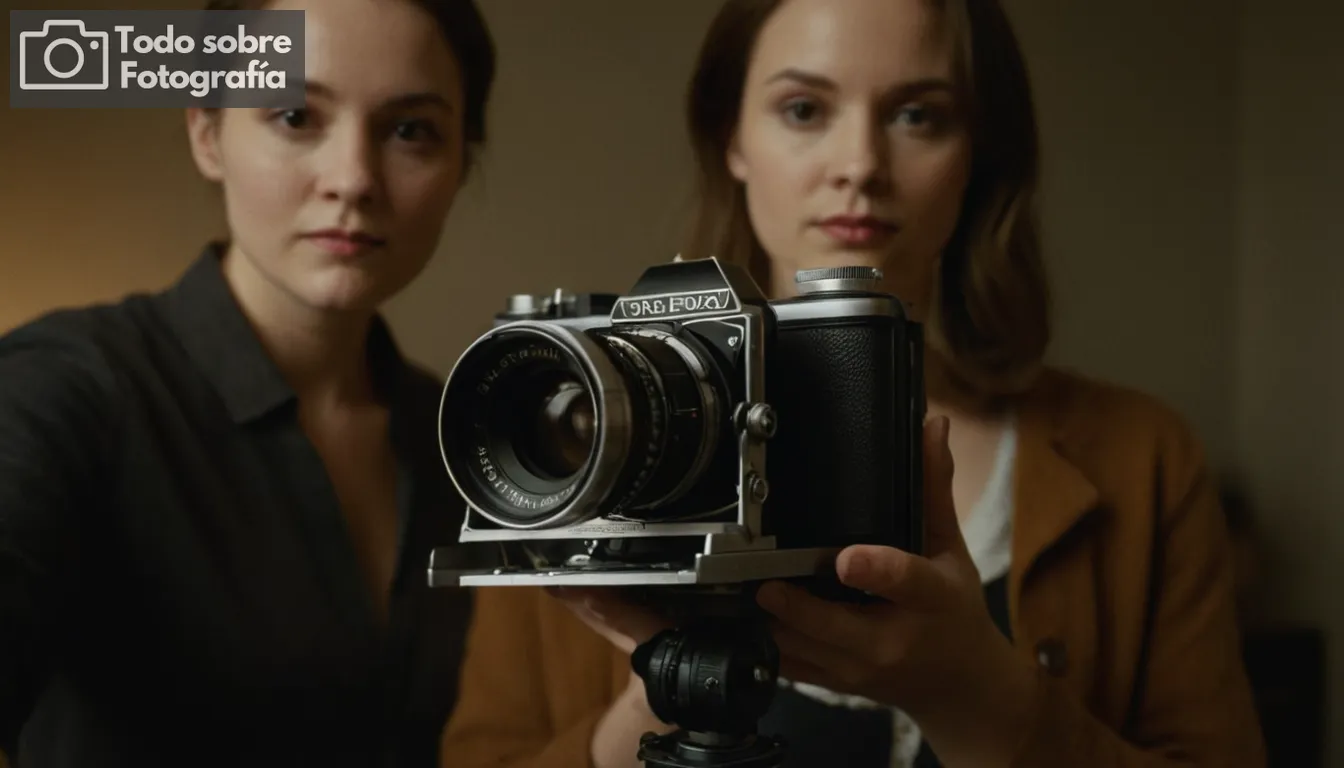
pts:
[688, 433]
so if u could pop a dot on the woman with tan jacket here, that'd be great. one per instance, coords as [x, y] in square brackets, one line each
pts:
[1075, 604]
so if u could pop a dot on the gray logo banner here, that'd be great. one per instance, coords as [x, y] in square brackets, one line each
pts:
[156, 59]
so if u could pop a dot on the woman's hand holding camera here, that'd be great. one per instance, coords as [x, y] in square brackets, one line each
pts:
[929, 648]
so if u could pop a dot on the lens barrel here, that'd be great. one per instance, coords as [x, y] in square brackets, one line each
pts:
[543, 425]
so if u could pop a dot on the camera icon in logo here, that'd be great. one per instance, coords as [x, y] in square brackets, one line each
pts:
[44, 58]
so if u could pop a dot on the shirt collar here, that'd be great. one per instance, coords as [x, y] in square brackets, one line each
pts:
[219, 339]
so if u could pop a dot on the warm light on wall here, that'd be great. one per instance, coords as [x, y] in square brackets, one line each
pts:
[97, 203]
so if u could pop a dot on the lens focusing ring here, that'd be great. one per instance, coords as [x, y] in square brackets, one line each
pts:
[708, 418]
[649, 411]
[664, 466]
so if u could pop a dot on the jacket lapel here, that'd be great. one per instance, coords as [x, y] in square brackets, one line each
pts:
[1051, 494]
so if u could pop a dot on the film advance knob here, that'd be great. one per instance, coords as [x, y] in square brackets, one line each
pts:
[521, 304]
[830, 279]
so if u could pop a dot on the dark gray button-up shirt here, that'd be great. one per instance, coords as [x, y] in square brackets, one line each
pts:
[177, 586]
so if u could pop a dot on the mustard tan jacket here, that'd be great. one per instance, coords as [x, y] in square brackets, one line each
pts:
[1120, 591]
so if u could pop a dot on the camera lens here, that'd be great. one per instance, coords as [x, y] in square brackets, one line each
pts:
[562, 429]
[542, 425]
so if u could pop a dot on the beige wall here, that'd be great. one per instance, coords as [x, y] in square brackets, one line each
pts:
[1289, 407]
[1191, 198]
[1137, 121]
[585, 182]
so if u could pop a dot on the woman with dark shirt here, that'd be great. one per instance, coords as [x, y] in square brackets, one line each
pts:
[217, 501]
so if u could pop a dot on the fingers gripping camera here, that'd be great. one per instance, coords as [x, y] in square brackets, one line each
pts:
[690, 432]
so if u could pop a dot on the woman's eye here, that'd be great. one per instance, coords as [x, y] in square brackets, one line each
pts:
[919, 117]
[293, 118]
[416, 131]
[801, 111]
[913, 115]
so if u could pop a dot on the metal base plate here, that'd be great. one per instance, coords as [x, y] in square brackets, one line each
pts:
[723, 568]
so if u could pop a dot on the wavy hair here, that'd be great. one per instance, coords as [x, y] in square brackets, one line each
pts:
[990, 324]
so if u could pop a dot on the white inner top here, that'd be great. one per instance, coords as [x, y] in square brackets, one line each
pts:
[988, 532]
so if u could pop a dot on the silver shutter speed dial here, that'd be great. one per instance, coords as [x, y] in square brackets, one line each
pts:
[521, 304]
[833, 279]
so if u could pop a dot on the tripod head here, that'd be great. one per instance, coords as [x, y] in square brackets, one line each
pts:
[714, 679]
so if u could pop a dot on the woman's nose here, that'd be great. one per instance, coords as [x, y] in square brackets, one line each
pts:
[350, 167]
[861, 155]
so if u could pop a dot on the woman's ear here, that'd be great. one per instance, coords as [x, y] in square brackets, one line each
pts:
[736, 164]
[203, 132]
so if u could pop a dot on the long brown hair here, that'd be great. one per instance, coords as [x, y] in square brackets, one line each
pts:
[990, 325]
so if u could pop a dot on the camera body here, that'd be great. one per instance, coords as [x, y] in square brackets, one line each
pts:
[689, 433]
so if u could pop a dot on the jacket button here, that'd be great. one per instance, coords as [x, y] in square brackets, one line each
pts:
[1052, 656]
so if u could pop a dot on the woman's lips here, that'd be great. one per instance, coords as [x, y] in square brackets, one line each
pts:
[345, 243]
[858, 231]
